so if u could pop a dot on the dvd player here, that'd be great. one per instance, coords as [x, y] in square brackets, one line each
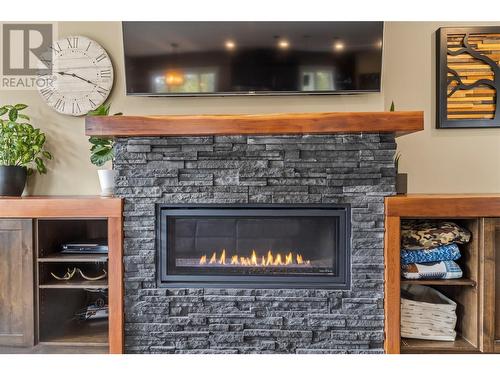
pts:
[85, 247]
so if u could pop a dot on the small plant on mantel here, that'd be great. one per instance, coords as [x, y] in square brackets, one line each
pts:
[102, 152]
[396, 160]
[22, 149]
[401, 178]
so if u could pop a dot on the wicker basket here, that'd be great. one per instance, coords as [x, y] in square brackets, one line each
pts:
[427, 314]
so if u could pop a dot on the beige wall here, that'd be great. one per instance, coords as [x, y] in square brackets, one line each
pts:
[437, 161]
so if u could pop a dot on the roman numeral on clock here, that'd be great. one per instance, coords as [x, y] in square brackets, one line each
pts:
[76, 108]
[47, 92]
[101, 57]
[60, 104]
[56, 47]
[102, 91]
[92, 104]
[72, 42]
[106, 73]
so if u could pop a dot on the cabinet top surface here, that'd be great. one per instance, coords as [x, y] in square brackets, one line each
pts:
[60, 206]
[443, 205]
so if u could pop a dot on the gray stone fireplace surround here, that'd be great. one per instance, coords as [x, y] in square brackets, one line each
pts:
[357, 169]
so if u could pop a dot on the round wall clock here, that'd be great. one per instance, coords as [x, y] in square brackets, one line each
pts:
[81, 78]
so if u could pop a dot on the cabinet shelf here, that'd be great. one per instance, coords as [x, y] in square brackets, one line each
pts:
[414, 346]
[450, 282]
[98, 284]
[90, 333]
[74, 258]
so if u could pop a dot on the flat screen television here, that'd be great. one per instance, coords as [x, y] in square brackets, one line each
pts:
[252, 58]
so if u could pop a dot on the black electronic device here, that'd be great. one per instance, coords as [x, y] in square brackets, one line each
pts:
[85, 247]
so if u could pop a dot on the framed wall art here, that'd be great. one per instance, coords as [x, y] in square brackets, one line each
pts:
[468, 77]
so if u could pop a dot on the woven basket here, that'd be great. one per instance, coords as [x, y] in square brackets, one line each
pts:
[427, 314]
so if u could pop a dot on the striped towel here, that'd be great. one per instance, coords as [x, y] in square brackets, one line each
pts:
[446, 269]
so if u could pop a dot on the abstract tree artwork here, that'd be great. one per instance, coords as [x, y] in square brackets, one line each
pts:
[468, 77]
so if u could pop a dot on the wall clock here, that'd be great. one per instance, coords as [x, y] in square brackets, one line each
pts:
[81, 77]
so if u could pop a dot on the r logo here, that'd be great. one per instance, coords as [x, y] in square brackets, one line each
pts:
[25, 49]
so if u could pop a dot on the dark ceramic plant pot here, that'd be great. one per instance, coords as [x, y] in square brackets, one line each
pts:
[12, 180]
[401, 183]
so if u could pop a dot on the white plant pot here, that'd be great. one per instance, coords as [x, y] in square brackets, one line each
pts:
[107, 181]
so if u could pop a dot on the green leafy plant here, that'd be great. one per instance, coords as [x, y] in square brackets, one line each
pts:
[101, 149]
[21, 144]
[393, 108]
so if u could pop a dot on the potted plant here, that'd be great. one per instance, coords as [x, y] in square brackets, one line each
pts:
[401, 178]
[102, 152]
[22, 150]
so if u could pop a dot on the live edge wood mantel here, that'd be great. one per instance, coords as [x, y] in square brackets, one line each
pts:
[254, 124]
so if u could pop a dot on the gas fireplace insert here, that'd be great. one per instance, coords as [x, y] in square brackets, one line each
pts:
[254, 246]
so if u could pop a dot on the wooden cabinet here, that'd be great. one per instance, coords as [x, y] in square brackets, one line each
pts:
[496, 288]
[16, 282]
[36, 311]
[477, 293]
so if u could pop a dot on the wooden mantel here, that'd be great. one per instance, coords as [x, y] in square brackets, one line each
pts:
[258, 124]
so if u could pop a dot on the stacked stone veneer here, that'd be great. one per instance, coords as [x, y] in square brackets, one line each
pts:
[349, 168]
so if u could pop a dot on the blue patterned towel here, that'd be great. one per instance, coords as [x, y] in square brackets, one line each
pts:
[445, 252]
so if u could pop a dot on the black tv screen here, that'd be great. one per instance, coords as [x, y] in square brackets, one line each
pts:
[226, 58]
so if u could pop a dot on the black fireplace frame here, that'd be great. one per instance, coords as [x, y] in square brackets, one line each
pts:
[341, 280]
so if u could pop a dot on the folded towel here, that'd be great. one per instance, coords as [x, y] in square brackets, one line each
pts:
[428, 234]
[445, 252]
[446, 269]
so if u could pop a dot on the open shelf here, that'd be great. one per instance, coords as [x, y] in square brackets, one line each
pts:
[85, 284]
[464, 292]
[61, 301]
[414, 346]
[72, 258]
[88, 333]
[452, 282]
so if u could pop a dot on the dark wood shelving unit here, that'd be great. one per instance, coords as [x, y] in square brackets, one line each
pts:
[453, 282]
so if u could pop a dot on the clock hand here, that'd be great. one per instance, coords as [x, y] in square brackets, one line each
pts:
[83, 79]
[76, 76]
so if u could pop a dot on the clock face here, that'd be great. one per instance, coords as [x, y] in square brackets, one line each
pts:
[81, 78]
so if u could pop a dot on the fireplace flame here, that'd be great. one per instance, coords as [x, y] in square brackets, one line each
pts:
[222, 259]
[299, 259]
[270, 258]
[254, 260]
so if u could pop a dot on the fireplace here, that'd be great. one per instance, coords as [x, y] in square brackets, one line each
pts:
[263, 246]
